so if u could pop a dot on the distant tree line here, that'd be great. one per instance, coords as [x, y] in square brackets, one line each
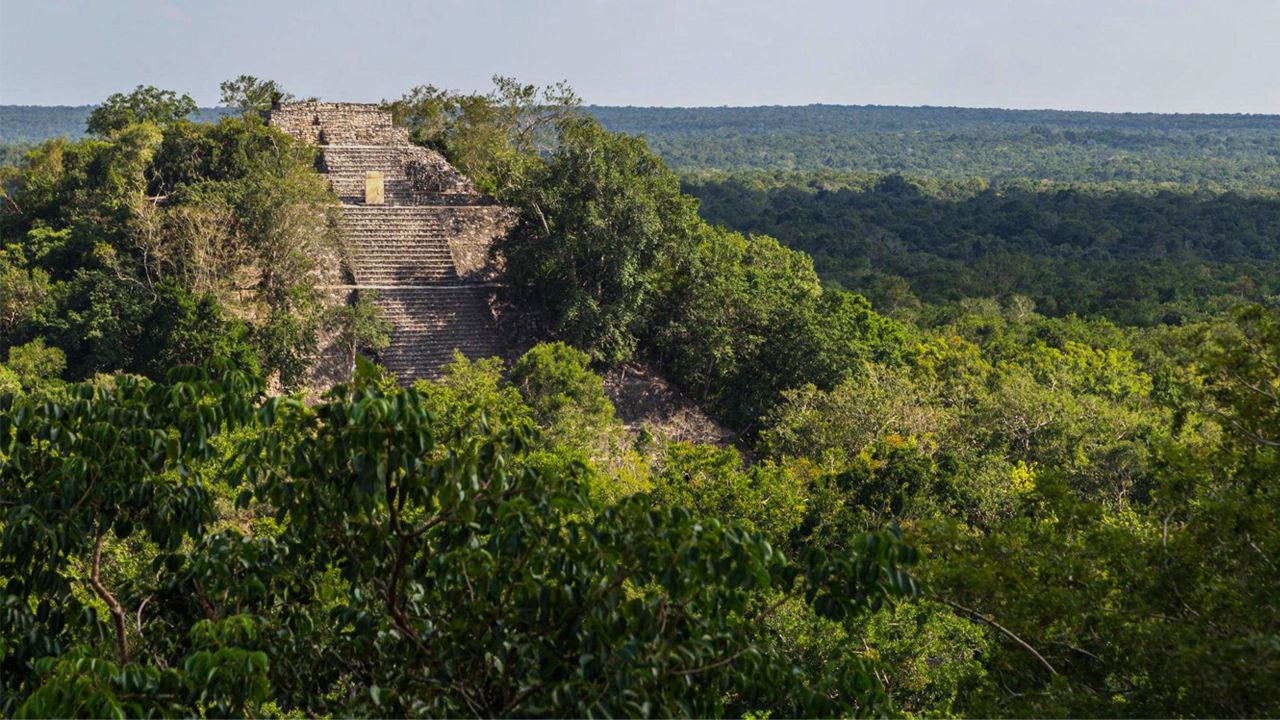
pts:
[29, 124]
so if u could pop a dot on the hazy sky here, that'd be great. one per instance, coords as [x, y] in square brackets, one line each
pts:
[1115, 55]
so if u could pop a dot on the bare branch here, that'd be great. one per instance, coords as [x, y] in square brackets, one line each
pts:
[1006, 631]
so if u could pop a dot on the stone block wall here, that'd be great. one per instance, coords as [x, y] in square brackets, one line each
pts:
[337, 123]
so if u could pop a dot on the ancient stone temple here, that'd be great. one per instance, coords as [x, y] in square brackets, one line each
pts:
[418, 234]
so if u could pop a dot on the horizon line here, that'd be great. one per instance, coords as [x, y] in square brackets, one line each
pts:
[1176, 113]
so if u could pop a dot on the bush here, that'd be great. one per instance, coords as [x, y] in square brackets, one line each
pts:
[35, 361]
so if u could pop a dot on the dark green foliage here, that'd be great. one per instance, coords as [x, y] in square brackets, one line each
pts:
[130, 253]
[111, 461]
[188, 330]
[236, 149]
[99, 322]
[748, 319]
[602, 220]
[416, 569]
[288, 343]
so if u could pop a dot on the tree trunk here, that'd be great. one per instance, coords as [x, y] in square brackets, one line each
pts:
[113, 605]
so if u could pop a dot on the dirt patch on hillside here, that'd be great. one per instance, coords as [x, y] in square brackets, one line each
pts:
[645, 399]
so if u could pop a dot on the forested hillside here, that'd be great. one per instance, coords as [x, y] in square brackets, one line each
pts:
[1139, 256]
[1036, 474]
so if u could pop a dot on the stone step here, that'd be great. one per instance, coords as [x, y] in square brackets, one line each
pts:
[418, 199]
[416, 216]
[406, 257]
[394, 213]
[391, 230]
[410, 253]
[391, 238]
[366, 276]
[347, 165]
[385, 209]
[415, 237]
[390, 225]
[403, 234]
[400, 241]
[445, 269]
[376, 239]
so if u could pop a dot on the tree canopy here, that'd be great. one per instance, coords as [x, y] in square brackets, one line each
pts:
[144, 104]
[248, 94]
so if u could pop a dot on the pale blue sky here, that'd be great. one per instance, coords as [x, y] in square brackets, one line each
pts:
[1114, 55]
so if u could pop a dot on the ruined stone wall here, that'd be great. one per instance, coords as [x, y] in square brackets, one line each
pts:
[475, 230]
[333, 363]
[409, 170]
[337, 123]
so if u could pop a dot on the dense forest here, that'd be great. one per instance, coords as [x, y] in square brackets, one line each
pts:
[1213, 151]
[1034, 475]
[1137, 256]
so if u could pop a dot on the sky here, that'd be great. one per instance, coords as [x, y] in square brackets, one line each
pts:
[1107, 55]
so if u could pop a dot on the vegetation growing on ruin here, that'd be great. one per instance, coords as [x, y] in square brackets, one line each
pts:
[161, 241]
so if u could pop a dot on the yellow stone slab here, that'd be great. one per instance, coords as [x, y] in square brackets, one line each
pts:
[374, 191]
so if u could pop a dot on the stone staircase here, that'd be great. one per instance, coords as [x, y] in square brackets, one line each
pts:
[430, 321]
[346, 165]
[397, 245]
[406, 251]
[412, 175]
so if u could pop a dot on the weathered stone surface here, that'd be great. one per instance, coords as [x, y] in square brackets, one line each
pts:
[322, 123]
[475, 229]
[414, 175]
[423, 250]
